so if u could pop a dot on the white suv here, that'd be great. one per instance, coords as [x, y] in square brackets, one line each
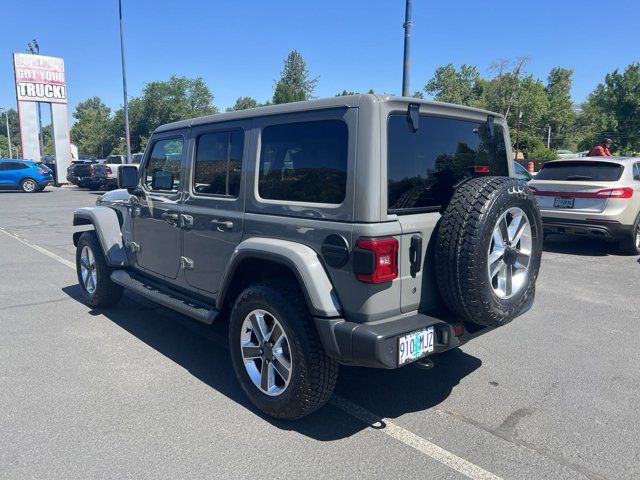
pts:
[593, 196]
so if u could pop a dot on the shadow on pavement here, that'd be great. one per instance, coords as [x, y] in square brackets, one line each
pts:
[3, 190]
[202, 350]
[584, 246]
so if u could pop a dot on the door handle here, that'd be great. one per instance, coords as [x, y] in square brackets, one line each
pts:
[223, 224]
[171, 218]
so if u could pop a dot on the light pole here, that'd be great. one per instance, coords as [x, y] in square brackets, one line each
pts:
[6, 114]
[407, 48]
[124, 87]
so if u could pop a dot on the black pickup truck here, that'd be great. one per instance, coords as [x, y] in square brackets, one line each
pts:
[80, 173]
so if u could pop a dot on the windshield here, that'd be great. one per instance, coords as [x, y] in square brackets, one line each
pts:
[423, 166]
[581, 171]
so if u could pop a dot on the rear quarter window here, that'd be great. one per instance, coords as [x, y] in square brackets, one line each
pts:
[587, 170]
[304, 162]
[423, 166]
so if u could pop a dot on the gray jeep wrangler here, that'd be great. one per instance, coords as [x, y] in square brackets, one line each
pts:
[363, 230]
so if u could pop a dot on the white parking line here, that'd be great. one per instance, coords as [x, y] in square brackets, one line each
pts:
[383, 425]
[46, 252]
[412, 440]
[57, 258]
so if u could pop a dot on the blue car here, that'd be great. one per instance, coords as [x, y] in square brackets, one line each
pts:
[24, 174]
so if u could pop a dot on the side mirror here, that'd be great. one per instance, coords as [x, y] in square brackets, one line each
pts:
[127, 176]
[162, 180]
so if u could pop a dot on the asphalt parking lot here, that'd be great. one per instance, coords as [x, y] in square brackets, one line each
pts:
[139, 391]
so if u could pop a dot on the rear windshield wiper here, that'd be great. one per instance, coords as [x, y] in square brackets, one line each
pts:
[579, 177]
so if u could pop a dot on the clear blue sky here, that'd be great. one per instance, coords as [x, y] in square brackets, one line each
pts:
[238, 46]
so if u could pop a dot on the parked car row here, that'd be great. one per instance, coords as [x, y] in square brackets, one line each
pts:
[97, 174]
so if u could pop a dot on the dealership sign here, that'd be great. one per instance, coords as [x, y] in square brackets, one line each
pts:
[39, 78]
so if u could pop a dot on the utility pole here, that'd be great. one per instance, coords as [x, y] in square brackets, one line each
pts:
[407, 48]
[549, 138]
[6, 114]
[34, 49]
[124, 87]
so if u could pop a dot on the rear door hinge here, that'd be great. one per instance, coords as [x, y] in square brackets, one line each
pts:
[186, 263]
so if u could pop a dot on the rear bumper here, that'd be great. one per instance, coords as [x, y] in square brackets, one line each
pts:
[106, 181]
[45, 182]
[586, 228]
[376, 344]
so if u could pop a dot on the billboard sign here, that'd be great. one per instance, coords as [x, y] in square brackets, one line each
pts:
[39, 78]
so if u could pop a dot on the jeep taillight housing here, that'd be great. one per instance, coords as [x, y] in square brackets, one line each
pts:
[108, 170]
[375, 260]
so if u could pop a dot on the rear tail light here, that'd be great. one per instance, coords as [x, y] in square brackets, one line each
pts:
[90, 170]
[376, 260]
[624, 192]
[481, 168]
[42, 172]
[107, 170]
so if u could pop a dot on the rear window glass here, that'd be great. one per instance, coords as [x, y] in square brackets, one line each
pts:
[581, 171]
[423, 166]
[304, 162]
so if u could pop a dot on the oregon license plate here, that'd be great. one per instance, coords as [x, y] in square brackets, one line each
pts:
[415, 345]
[562, 202]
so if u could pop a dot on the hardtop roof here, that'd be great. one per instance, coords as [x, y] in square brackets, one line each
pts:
[346, 101]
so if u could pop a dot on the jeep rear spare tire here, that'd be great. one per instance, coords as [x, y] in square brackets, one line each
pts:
[488, 250]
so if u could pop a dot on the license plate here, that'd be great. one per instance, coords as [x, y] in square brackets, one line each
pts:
[415, 345]
[561, 202]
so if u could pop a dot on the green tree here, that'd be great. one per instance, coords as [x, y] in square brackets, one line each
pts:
[243, 103]
[92, 132]
[294, 84]
[560, 115]
[162, 102]
[455, 86]
[14, 126]
[613, 110]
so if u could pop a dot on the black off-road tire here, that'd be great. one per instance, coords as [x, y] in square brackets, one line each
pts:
[464, 239]
[106, 293]
[314, 374]
[629, 245]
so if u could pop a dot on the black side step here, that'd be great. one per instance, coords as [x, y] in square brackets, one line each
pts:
[166, 298]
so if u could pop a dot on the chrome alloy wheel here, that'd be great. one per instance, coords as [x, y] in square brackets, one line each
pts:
[509, 253]
[265, 352]
[88, 270]
[29, 186]
[638, 236]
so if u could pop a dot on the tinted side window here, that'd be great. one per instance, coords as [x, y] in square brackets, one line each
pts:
[218, 163]
[304, 162]
[636, 171]
[423, 166]
[165, 160]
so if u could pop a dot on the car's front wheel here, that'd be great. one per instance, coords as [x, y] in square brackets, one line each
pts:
[276, 352]
[94, 275]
